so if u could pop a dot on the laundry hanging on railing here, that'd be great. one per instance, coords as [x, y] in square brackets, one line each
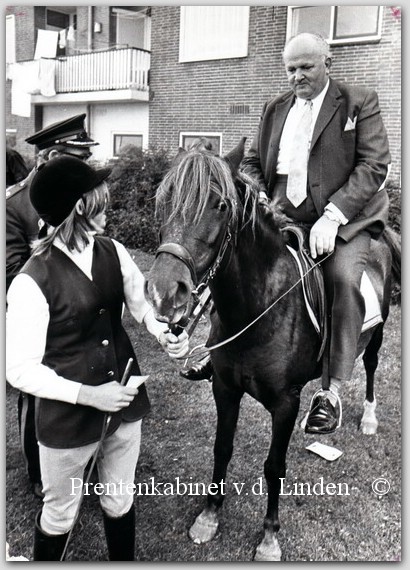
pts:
[25, 81]
[46, 44]
[29, 78]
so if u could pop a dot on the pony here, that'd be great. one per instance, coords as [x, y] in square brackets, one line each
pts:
[215, 232]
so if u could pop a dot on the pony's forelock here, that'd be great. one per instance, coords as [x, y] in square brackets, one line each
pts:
[187, 186]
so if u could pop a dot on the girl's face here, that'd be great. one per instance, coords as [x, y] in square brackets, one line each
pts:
[99, 222]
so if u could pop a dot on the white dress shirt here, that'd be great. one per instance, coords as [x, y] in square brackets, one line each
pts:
[288, 134]
[28, 317]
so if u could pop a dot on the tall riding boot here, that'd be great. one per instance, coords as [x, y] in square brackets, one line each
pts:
[47, 546]
[120, 534]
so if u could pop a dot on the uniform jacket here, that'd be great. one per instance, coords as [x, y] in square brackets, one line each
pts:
[86, 341]
[21, 226]
[349, 155]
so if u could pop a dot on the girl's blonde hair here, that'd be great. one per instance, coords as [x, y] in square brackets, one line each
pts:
[74, 231]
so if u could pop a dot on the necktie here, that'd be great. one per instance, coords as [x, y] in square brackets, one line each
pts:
[297, 174]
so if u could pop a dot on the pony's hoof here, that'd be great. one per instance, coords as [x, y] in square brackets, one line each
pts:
[369, 428]
[369, 422]
[204, 528]
[268, 551]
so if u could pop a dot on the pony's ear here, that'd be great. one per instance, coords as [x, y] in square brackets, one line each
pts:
[235, 156]
[181, 152]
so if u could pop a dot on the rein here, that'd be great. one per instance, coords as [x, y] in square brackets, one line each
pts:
[194, 354]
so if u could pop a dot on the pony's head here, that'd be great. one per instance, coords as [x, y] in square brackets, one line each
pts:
[199, 203]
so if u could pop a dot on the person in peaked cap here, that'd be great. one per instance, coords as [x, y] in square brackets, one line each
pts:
[66, 137]
[66, 345]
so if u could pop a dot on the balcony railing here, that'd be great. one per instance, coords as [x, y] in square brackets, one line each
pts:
[105, 70]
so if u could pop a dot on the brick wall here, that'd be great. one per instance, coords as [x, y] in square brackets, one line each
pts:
[199, 96]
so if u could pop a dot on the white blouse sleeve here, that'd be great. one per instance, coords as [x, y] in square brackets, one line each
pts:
[134, 282]
[27, 319]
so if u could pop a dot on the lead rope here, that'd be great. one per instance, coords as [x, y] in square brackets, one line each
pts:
[193, 354]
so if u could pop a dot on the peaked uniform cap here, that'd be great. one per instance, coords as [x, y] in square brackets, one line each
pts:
[59, 183]
[70, 133]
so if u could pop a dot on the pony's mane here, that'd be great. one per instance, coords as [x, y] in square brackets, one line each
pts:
[197, 173]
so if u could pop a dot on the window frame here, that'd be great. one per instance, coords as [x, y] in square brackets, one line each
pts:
[125, 134]
[199, 134]
[332, 27]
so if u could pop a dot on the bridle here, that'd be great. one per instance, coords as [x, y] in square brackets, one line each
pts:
[180, 252]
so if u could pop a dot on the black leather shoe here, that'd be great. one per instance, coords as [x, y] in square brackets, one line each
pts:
[201, 371]
[323, 416]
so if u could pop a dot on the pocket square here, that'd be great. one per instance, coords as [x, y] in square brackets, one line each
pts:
[350, 124]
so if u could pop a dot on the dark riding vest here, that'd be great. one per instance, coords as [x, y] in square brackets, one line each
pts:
[86, 341]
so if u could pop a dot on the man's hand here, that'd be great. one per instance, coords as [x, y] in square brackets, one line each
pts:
[323, 236]
[110, 397]
[176, 346]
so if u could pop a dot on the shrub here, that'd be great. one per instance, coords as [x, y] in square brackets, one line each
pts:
[135, 177]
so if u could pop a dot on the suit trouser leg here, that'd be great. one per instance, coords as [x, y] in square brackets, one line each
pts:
[28, 439]
[343, 273]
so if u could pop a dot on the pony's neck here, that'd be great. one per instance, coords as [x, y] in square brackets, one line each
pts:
[257, 271]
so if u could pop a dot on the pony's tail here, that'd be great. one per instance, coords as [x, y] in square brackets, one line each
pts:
[392, 239]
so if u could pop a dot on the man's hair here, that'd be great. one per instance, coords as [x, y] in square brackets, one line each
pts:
[317, 38]
[73, 231]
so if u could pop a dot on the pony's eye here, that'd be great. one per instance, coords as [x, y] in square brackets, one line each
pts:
[222, 206]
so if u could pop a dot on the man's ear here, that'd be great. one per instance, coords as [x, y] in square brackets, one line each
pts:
[53, 154]
[328, 63]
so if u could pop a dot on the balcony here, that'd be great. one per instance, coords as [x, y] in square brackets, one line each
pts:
[111, 75]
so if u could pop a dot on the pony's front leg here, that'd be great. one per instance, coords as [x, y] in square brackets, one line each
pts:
[283, 422]
[206, 524]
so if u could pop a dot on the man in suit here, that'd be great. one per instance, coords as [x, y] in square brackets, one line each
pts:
[339, 195]
[341, 199]
[22, 228]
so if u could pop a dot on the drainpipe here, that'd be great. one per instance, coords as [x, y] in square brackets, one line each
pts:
[90, 29]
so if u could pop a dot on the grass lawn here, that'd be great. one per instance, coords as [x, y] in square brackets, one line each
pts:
[177, 443]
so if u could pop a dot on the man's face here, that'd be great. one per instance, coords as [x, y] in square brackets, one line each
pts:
[83, 153]
[307, 69]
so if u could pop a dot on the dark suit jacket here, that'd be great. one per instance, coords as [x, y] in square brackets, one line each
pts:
[349, 155]
[21, 226]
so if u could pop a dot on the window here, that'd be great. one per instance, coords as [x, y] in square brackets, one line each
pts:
[10, 39]
[186, 140]
[338, 24]
[132, 27]
[213, 32]
[57, 20]
[125, 139]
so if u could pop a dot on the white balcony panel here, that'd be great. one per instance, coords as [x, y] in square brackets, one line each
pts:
[102, 71]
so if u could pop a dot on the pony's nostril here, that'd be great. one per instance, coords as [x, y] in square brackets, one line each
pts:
[183, 290]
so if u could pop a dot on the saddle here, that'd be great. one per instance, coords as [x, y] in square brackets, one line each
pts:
[313, 285]
[314, 289]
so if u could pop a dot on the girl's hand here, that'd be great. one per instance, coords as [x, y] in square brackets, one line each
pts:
[110, 397]
[176, 346]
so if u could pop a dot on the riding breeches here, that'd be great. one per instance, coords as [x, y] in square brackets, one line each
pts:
[63, 473]
[346, 307]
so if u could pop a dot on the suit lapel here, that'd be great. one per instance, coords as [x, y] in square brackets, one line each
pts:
[329, 107]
